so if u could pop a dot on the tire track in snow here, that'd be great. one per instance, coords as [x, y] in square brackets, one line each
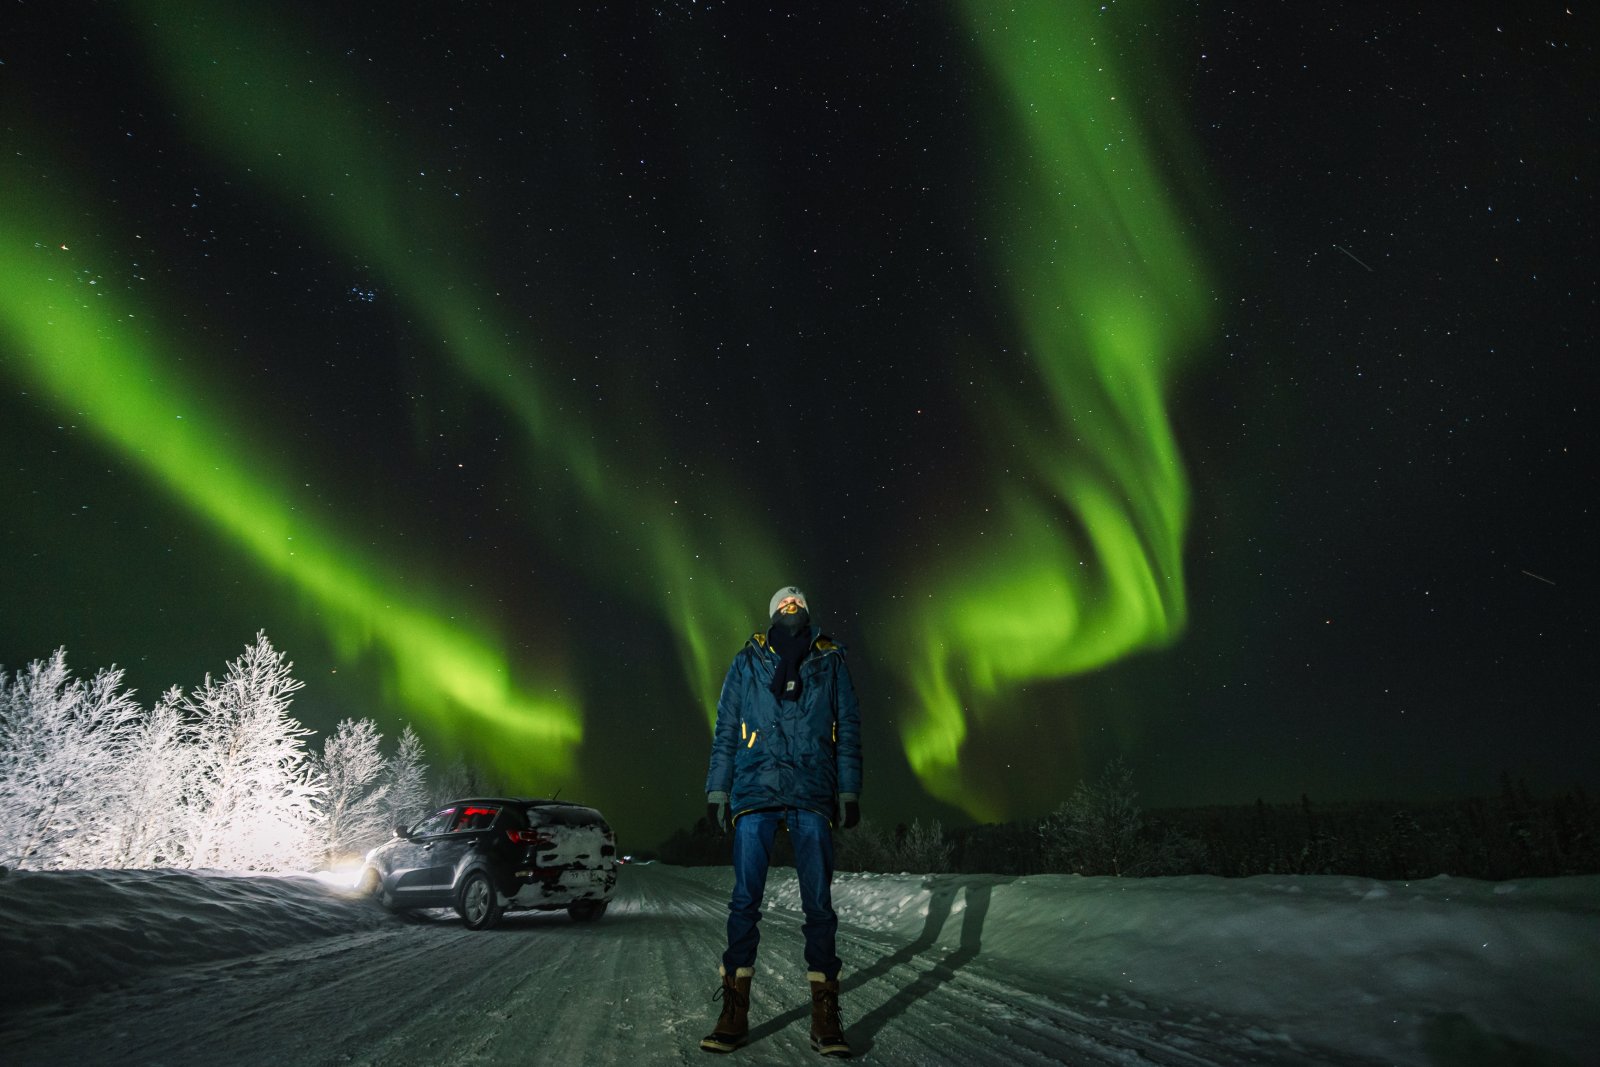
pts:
[634, 988]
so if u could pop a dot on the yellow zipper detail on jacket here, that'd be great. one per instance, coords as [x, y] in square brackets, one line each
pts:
[753, 734]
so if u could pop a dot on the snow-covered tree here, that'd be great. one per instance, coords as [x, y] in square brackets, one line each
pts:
[60, 742]
[253, 800]
[147, 791]
[354, 805]
[1096, 830]
[220, 777]
[923, 849]
[864, 848]
[462, 779]
[407, 775]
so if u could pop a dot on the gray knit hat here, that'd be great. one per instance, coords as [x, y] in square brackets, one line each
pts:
[786, 591]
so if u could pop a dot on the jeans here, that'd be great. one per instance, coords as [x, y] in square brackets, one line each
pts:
[812, 836]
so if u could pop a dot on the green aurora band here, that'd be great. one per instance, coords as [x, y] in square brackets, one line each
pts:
[91, 353]
[1079, 562]
[306, 137]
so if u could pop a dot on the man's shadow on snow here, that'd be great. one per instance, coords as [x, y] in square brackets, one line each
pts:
[941, 902]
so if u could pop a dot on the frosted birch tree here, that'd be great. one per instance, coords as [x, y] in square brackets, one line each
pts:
[924, 849]
[220, 777]
[460, 779]
[60, 741]
[1096, 829]
[407, 776]
[153, 775]
[456, 780]
[252, 804]
[354, 805]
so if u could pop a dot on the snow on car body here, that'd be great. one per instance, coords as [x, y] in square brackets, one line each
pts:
[484, 855]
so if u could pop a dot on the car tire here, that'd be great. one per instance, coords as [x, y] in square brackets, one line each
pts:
[477, 902]
[587, 911]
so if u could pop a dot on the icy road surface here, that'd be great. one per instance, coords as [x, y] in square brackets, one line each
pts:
[179, 968]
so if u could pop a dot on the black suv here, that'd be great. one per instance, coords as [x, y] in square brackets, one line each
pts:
[485, 855]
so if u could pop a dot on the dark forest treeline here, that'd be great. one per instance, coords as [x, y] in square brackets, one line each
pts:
[1100, 831]
[1512, 835]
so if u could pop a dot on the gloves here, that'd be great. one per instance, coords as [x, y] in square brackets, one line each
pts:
[717, 812]
[849, 811]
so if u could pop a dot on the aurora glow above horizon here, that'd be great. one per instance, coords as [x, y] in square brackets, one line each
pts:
[93, 354]
[309, 137]
[1075, 562]
[1078, 561]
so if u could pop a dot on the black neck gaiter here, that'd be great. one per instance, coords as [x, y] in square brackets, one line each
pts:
[790, 638]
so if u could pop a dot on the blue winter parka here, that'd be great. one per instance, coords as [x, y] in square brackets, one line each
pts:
[771, 753]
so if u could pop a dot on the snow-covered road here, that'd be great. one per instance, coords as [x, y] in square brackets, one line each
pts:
[939, 971]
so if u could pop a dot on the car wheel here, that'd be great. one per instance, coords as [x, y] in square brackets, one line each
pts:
[477, 903]
[586, 911]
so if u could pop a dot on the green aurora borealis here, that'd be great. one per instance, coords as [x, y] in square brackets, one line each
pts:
[499, 366]
[1082, 579]
[1081, 562]
[93, 356]
[301, 137]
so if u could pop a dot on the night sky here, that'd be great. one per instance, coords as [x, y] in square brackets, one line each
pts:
[1205, 385]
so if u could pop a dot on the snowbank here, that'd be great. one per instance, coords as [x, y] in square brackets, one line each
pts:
[69, 932]
[1449, 971]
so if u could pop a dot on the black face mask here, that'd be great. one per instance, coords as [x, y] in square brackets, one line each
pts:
[793, 623]
[791, 640]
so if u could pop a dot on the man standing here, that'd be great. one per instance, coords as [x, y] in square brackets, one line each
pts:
[786, 752]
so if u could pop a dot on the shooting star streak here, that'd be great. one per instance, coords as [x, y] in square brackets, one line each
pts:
[1352, 255]
[1541, 577]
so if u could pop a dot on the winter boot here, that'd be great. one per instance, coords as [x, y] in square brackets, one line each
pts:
[733, 1025]
[827, 1029]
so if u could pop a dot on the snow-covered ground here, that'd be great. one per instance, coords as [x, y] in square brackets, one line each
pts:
[176, 967]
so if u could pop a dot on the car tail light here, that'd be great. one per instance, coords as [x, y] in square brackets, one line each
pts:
[529, 837]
